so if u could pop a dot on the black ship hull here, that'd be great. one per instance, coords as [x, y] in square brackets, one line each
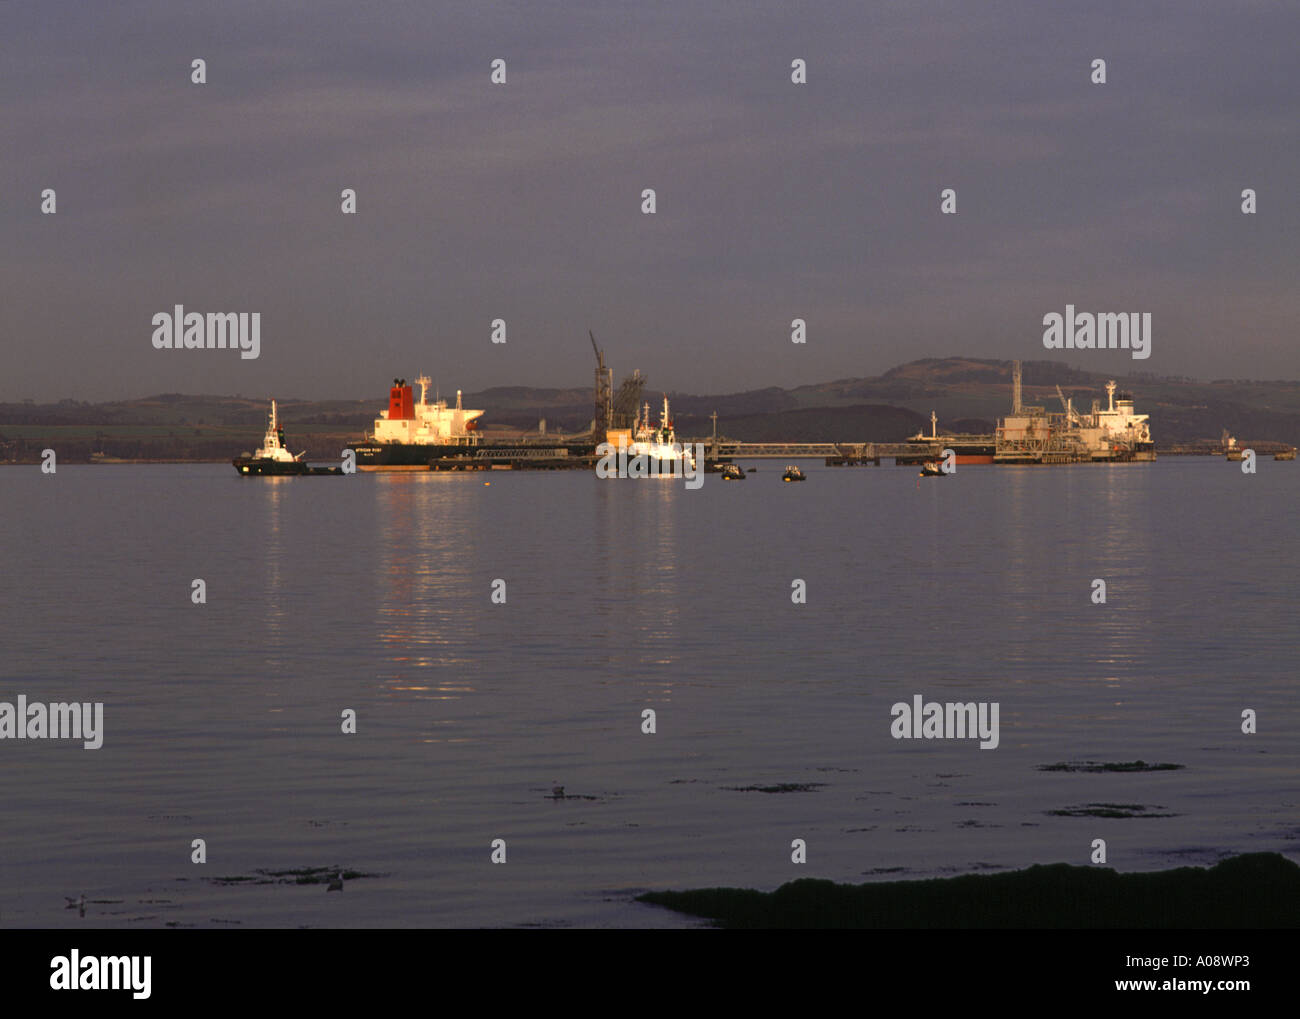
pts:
[968, 450]
[402, 456]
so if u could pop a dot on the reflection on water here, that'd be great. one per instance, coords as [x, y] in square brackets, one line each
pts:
[638, 582]
[1100, 528]
[426, 553]
[271, 543]
[1120, 537]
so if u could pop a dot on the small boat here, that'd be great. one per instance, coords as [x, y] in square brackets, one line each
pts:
[274, 458]
[793, 473]
[732, 473]
[931, 469]
[1231, 451]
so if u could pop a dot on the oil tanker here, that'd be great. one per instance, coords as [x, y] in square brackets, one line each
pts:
[409, 435]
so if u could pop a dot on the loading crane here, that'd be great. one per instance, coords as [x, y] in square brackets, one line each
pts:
[604, 408]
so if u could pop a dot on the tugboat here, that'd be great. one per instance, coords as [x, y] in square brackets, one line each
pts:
[793, 473]
[931, 469]
[273, 457]
[659, 446]
[731, 472]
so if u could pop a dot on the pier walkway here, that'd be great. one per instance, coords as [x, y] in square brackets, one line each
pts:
[788, 450]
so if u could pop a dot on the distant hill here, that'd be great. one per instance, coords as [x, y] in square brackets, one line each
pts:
[863, 423]
[968, 394]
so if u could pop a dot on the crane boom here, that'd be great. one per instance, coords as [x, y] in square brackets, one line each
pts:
[604, 393]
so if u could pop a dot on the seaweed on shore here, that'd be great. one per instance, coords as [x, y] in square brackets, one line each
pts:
[1120, 766]
[1255, 890]
[296, 876]
[1110, 810]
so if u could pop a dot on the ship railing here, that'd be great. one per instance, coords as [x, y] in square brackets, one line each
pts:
[522, 453]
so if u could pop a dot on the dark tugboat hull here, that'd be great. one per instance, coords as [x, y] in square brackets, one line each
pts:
[253, 466]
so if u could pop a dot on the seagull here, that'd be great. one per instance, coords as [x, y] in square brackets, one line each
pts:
[78, 904]
[337, 884]
[557, 792]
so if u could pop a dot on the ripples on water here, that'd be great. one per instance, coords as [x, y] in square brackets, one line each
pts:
[373, 593]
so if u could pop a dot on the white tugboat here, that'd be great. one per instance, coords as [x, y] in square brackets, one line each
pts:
[659, 445]
[273, 457]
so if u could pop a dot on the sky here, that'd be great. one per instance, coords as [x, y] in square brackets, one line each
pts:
[522, 201]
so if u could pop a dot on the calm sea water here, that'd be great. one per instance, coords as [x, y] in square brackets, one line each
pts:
[372, 592]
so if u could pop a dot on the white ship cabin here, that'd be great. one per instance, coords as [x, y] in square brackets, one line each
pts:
[424, 423]
[1118, 422]
[273, 447]
[659, 443]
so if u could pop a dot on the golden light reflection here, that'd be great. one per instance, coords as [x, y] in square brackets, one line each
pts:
[637, 574]
[1111, 503]
[428, 544]
[275, 612]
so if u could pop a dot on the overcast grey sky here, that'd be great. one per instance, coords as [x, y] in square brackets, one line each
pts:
[775, 201]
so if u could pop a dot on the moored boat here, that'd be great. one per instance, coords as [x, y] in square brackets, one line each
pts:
[967, 448]
[653, 449]
[416, 436]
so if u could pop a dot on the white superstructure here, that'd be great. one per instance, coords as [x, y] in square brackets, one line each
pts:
[272, 447]
[1032, 435]
[424, 423]
[1117, 429]
[659, 443]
